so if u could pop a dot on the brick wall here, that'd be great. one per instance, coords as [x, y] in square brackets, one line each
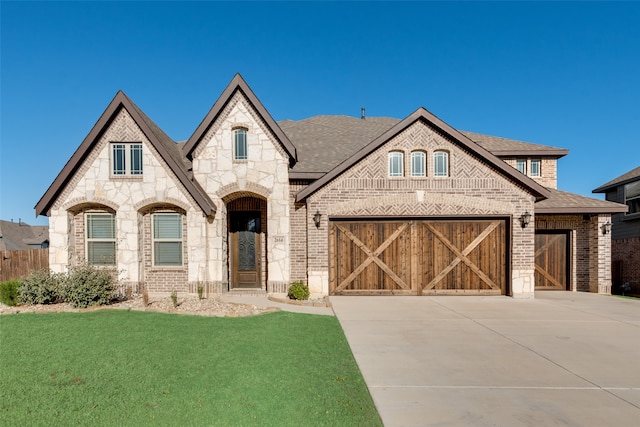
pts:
[626, 253]
[548, 170]
[162, 279]
[473, 189]
[298, 248]
[579, 241]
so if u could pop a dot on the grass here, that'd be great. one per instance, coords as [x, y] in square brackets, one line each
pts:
[132, 368]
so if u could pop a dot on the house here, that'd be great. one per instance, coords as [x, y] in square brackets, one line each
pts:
[349, 205]
[625, 233]
[17, 236]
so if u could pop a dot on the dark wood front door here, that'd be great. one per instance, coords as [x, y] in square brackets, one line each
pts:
[244, 249]
[552, 253]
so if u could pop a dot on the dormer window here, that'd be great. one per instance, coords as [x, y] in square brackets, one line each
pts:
[240, 144]
[521, 165]
[126, 158]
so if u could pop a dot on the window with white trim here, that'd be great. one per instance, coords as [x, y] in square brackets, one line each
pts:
[418, 164]
[396, 160]
[240, 144]
[535, 168]
[167, 239]
[440, 163]
[521, 165]
[126, 158]
[100, 238]
[632, 197]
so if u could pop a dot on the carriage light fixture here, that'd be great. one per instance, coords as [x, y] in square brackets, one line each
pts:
[525, 219]
[606, 228]
[316, 219]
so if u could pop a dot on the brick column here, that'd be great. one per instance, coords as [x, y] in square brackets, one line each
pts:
[599, 256]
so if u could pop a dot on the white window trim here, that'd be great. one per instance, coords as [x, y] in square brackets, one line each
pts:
[88, 240]
[128, 173]
[447, 172]
[246, 144]
[400, 173]
[154, 240]
[423, 156]
[521, 162]
[539, 163]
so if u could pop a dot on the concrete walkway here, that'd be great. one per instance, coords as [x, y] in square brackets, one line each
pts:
[565, 359]
[263, 301]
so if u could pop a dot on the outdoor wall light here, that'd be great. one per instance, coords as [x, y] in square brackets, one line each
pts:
[316, 218]
[606, 228]
[525, 219]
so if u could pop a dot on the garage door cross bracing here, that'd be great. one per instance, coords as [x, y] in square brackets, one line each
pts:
[415, 257]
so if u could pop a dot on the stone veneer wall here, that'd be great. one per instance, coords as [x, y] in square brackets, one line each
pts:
[579, 241]
[599, 255]
[473, 189]
[627, 253]
[93, 187]
[264, 174]
[548, 170]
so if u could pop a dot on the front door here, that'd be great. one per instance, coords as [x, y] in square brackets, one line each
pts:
[244, 249]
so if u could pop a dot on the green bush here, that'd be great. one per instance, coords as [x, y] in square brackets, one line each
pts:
[9, 292]
[298, 290]
[87, 285]
[41, 287]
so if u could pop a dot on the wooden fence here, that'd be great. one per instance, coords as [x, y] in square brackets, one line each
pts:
[18, 264]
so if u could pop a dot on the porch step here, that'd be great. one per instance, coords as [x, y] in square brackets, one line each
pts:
[249, 292]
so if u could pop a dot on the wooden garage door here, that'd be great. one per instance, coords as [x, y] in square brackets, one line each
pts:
[551, 261]
[418, 257]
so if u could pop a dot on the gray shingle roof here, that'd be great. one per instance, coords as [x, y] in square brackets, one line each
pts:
[323, 142]
[19, 235]
[632, 175]
[506, 147]
[562, 202]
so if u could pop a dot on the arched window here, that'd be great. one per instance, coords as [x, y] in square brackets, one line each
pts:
[240, 144]
[418, 164]
[396, 160]
[441, 163]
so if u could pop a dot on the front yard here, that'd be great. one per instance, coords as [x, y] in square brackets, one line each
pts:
[132, 368]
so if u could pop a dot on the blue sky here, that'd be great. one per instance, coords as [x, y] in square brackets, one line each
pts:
[559, 74]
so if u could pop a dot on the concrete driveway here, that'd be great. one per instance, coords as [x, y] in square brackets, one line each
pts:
[563, 359]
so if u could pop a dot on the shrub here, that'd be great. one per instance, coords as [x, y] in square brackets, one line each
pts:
[41, 287]
[298, 290]
[174, 298]
[9, 292]
[87, 285]
[200, 292]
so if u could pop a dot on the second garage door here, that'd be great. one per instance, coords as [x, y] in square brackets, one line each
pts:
[416, 257]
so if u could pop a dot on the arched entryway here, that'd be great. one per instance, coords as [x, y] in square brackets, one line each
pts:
[247, 243]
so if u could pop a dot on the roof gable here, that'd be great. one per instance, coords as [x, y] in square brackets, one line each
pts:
[632, 175]
[444, 129]
[164, 145]
[238, 84]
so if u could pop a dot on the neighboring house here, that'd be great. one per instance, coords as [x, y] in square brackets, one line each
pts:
[16, 236]
[625, 233]
[348, 205]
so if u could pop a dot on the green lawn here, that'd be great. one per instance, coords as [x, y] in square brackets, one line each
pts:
[132, 368]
